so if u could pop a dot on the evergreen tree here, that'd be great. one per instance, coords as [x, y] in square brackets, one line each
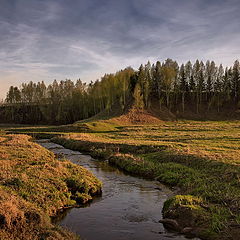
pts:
[183, 85]
[236, 80]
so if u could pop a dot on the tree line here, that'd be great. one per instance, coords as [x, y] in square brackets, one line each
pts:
[199, 86]
[66, 101]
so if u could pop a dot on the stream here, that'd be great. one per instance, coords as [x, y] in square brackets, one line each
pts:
[129, 207]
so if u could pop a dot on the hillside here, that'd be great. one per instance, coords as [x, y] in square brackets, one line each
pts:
[131, 114]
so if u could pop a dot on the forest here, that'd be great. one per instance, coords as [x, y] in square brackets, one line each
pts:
[199, 86]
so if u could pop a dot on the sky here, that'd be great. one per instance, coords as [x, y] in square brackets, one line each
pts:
[59, 39]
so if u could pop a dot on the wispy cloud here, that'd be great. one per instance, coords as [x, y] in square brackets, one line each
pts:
[57, 39]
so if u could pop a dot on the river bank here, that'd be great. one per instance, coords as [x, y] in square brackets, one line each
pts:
[34, 185]
[207, 185]
[129, 207]
[201, 158]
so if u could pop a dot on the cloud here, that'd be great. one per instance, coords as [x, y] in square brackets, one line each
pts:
[56, 39]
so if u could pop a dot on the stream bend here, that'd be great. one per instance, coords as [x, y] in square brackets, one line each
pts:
[128, 209]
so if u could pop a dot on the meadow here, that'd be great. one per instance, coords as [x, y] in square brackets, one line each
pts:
[197, 159]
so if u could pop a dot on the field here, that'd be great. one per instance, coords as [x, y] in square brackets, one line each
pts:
[34, 186]
[197, 158]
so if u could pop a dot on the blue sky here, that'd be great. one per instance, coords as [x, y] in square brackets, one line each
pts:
[59, 39]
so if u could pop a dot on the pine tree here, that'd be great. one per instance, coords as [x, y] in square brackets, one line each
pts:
[236, 80]
[218, 85]
[158, 80]
[183, 85]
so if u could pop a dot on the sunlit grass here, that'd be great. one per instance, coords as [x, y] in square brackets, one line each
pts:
[34, 185]
[200, 157]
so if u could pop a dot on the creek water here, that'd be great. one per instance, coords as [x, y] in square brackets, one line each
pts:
[128, 209]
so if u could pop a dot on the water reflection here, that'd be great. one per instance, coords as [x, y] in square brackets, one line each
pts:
[129, 207]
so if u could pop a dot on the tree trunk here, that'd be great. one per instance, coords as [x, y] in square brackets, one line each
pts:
[183, 102]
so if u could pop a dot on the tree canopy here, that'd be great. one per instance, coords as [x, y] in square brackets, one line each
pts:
[199, 85]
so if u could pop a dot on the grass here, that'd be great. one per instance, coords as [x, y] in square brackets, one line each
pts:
[201, 158]
[34, 185]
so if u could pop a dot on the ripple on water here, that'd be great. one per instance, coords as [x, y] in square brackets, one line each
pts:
[129, 208]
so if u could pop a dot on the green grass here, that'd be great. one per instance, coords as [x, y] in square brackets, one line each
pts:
[201, 158]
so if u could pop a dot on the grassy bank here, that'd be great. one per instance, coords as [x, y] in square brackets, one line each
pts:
[34, 185]
[201, 158]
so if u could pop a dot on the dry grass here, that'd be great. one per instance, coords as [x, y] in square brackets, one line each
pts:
[136, 116]
[200, 157]
[218, 141]
[34, 186]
